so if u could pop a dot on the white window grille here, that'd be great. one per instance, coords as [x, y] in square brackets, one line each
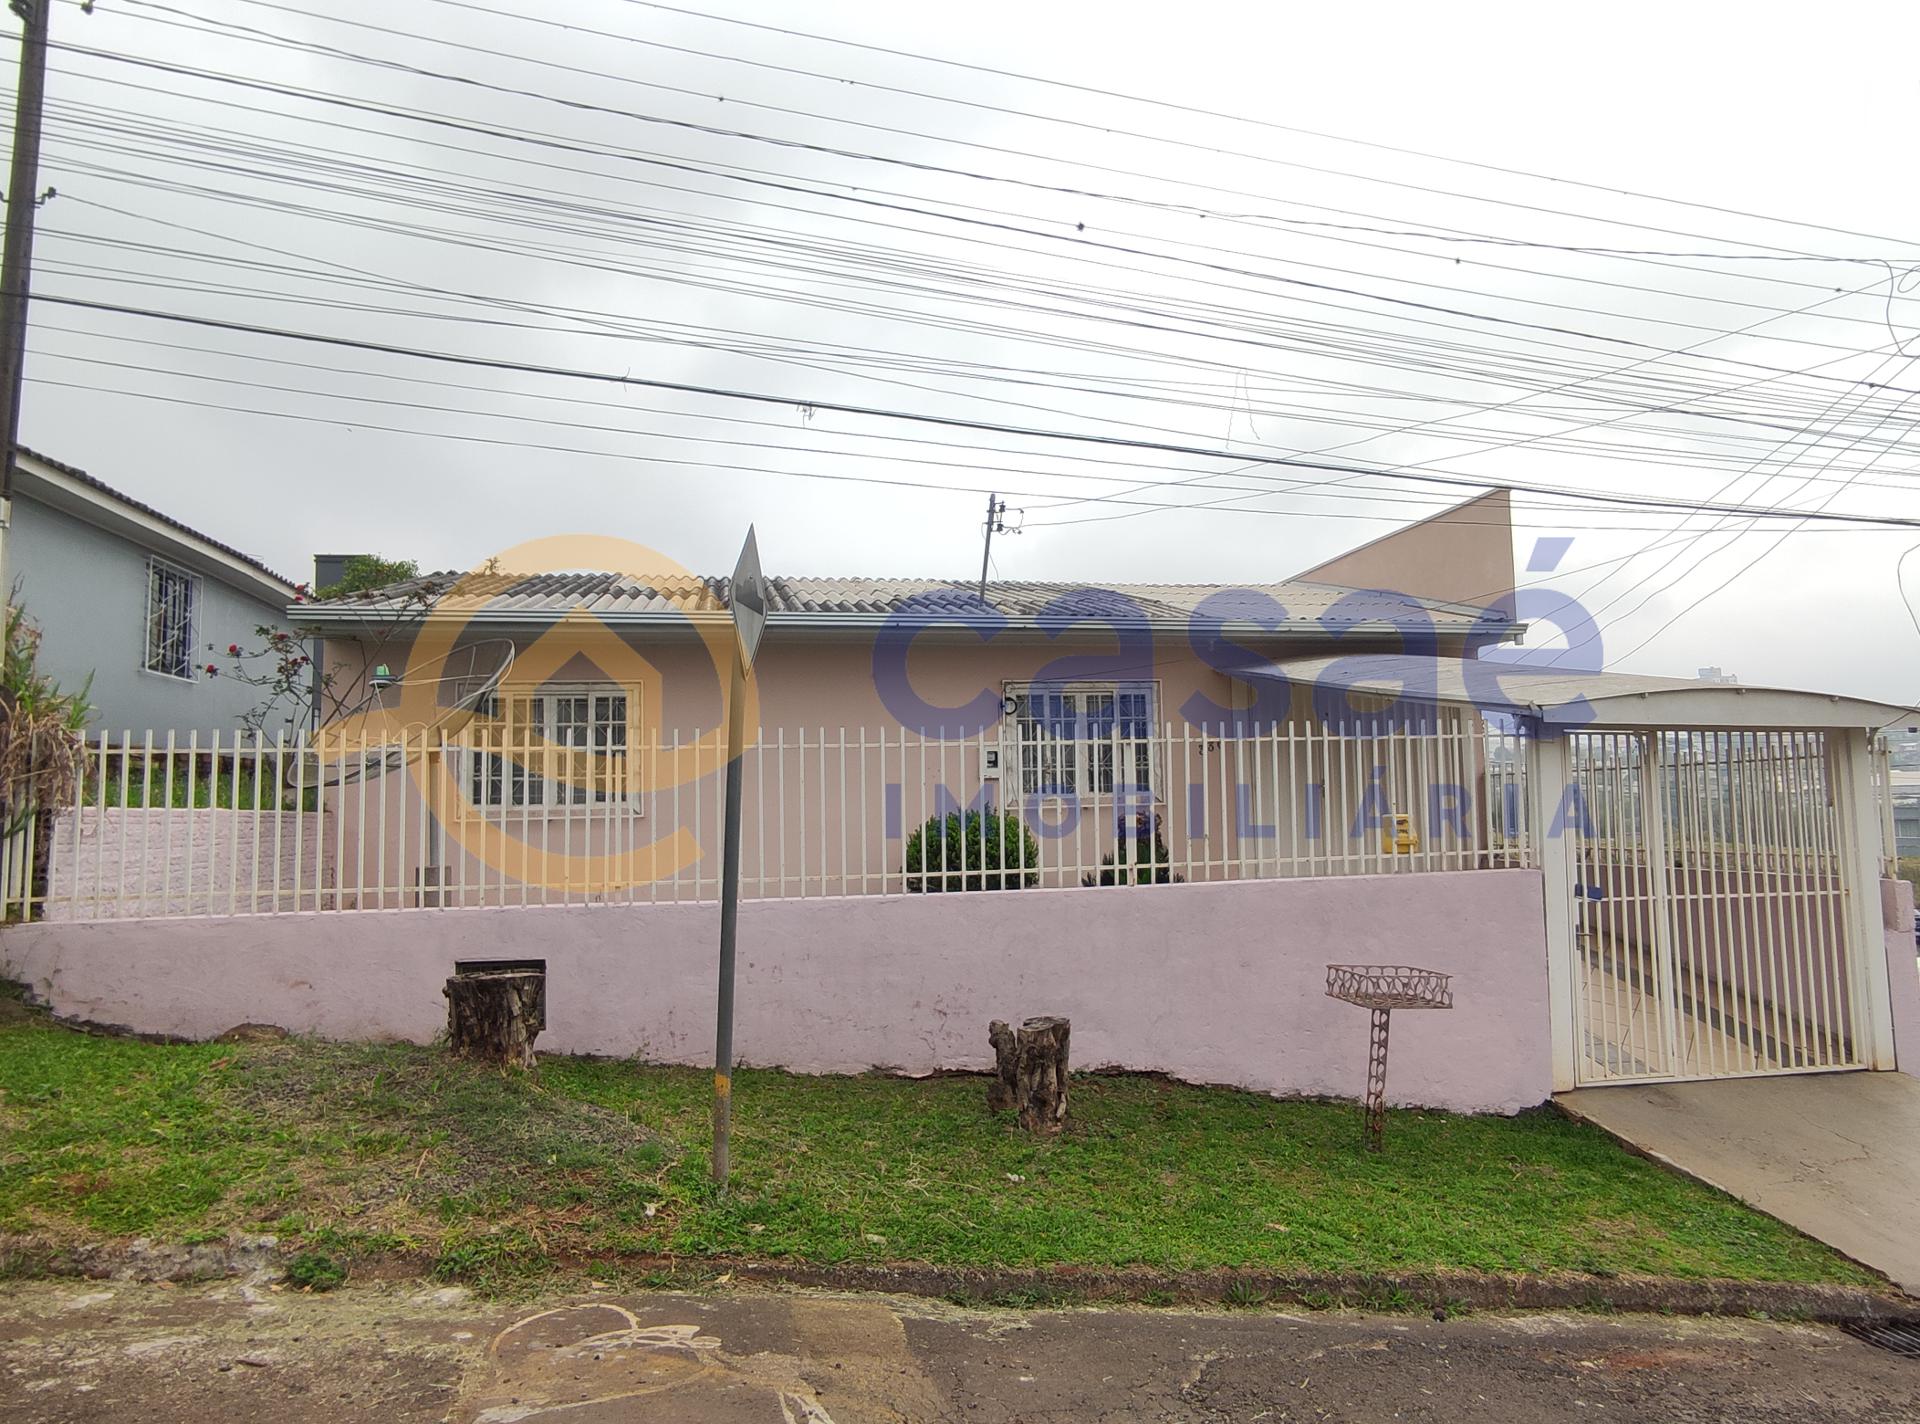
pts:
[561, 746]
[1084, 738]
[171, 598]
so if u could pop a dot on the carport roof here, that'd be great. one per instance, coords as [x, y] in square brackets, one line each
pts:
[1559, 698]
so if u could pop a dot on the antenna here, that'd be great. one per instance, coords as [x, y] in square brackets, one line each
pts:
[996, 524]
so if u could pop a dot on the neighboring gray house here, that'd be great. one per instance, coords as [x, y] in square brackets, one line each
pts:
[138, 601]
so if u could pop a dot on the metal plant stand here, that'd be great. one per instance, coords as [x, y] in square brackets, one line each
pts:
[1384, 988]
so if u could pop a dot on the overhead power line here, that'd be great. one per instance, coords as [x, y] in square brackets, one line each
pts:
[629, 459]
[523, 137]
[1617, 499]
[233, 28]
[1200, 111]
[1079, 242]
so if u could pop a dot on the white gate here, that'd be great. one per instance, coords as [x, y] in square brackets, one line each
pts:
[1711, 927]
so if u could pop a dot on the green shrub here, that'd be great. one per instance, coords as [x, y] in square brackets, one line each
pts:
[315, 1271]
[1146, 862]
[363, 573]
[980, 850]
[43, 754]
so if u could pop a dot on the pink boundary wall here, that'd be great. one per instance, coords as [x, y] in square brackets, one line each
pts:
[1219, 983]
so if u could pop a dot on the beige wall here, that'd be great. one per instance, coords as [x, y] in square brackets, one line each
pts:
[821, 821]
[1463, 555]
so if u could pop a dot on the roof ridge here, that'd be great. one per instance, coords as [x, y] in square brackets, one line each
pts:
[619, 594]
[99, 485]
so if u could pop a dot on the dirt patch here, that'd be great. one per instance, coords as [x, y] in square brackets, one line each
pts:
[227, 1352]
[390, 1128]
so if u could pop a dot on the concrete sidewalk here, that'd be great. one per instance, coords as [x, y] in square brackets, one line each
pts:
[82, 1351]
[1835, 1154]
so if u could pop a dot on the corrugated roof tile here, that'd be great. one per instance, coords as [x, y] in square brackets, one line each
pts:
[619, 593]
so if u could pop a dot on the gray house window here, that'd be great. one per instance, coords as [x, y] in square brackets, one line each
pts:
[171, 595]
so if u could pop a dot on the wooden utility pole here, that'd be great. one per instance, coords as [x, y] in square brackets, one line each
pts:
[16, 262]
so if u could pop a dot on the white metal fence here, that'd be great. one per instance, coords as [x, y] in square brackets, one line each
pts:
[249, 825]
[1711, 896]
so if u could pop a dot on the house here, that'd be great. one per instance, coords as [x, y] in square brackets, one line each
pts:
[137, 602]
[1080, 708]
[1903, 792]
[1216, 793]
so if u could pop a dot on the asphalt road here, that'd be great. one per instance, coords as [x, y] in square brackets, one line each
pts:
[82, 1351]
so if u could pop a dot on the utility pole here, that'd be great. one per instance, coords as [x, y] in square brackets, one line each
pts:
[996, 524]
[16, 262]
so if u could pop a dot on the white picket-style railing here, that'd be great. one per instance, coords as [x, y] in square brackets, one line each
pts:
[251, 825]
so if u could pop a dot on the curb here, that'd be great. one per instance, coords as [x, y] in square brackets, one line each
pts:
[262, 1257]
[1239, 1286]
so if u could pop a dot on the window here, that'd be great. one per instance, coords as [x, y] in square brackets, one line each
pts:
[556, 747]
[171, 596]
[1083, 738]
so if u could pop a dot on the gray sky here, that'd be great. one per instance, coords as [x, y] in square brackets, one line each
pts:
[1088, 264]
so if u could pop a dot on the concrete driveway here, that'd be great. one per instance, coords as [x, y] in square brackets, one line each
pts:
[1835, 1154]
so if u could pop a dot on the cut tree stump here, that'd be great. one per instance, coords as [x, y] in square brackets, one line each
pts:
[1030, 1072]
[1001, 1096]
[494, 1015]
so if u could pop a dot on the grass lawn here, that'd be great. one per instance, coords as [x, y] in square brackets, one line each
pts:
[369, 1147]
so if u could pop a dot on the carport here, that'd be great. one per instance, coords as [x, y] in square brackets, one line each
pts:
[1711, 857]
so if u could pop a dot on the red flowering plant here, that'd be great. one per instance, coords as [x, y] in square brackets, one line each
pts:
[281, 666]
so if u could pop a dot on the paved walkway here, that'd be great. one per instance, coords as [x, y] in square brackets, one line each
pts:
[1835, 1154]
[80, 1351]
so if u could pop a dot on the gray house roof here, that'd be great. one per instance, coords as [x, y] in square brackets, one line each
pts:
[47, 483]
[503, 598]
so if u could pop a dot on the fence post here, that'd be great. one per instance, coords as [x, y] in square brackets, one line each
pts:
[1547, 779]
[1867, 957]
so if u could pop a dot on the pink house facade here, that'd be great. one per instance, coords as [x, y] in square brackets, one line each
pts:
[1092, 714]
[1202, 795]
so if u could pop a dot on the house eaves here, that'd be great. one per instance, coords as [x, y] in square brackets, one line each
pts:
[74, 492]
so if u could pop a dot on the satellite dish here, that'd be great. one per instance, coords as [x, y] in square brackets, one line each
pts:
[438, 697]
[748, 596]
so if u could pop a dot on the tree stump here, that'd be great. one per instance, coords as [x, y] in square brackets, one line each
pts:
[494, 1015]
[1000, 1092]
[1030, 1072]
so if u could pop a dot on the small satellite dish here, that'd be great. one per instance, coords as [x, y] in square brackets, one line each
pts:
[748, 597]
[367, 739]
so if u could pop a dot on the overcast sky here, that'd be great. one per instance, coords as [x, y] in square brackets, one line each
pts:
[852, 227]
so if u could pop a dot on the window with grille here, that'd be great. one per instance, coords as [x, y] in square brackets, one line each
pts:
[1083, 739]
[171, 595]
[557, 747]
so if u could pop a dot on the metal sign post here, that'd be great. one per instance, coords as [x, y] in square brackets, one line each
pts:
[748, 598]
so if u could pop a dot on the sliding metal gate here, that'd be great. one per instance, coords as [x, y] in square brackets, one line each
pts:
[1711, 928]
